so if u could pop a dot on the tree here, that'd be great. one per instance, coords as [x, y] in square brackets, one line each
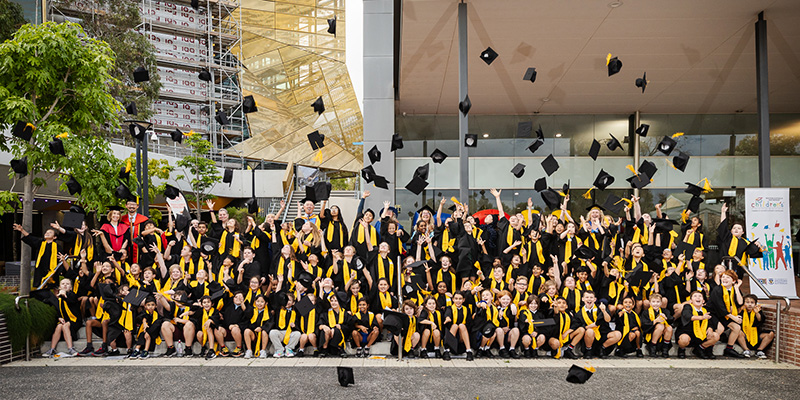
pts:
[56, 77]
[198, 169]
[11, 19]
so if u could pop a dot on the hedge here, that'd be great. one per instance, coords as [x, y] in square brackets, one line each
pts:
[38, 319]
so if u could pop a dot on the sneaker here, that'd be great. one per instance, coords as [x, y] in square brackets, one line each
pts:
[134, 355]
[639, 353]
[359, 352]
[211, 354]
[651, 349]
[366, 352]
[87, 351]
[503, 353]
[760, 354]
[423, 353]
[237, 352]
[101, 351]
[747, 354]
[113, 353]
[710, 353]
[732, 353]
[619, 353]
[49, 353]
[248, 354]
[300, 353]
[145, 354]
[315, 353]
[288, 353]
[225, 352]
[438, 352]
[187, 352]
[262, 354]
[514, 354]
[568, 353]
[587, 353]
[170, 351]
[681, 353]
[203, 352]
[446, 355]
[470, 356]
[278, 354]
[342, 354]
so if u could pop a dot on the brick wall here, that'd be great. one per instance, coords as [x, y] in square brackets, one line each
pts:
[789, 351]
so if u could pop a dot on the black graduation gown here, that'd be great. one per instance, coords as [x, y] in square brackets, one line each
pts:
[47, 262]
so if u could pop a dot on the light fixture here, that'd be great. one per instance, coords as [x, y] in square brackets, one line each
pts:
[485, 135]
[558, 134]
[615, 4]
[154, 137]
[516, 193]
[545, 99]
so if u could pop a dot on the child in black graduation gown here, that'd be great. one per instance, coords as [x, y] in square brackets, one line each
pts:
[531, 336]
[628, 322]
[598, 337]
[284, 334]
[568, 330]
[698, 328]
[657, 327]
[209, 317]
[233, 319]
[366, 330]
[68, 319]
[147, 336]
[46, 251]
[457, 320]
[430, 322]
[178, 315]
[755, 337]
[335, 325]
[258, 323]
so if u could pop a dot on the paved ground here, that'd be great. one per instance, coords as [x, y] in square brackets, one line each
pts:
[389, 379]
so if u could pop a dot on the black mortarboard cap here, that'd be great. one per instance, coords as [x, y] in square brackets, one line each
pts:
[427, 208]
[551, 198]
[23, 130]
[171, 192]
[614, 65]
[585, 252]
[73, 186]
[613, 143]
[550, 165]
[603, 180]
[684, 248]
[471, 140]
[77, 209]
[114, 208]
[131, 108]
[524, 129]
[393, 321]
[195, 4]
[73, 220]
[304, 306]
[417, 185]
[136, 296]
[694, 204]
[137, 131]
[20, 166]
[518, 170]
[252, 205]
[540, 184]
[345, 374]
[221, 118]
[176, 135]
[753, 250]
[368, 173]
[332, 26]
[577, 374]
[422, 171]
[249, 105]
[227, 176]
[638, 277]
[565, 188]
[208, 247]
[123, 173]
[374, 154]
[181, 222]
[642, 82]
[488, 329]
[666, 145]
[381, 182]
[204, 75]
[648, 168]
[139, 241]
[124, 193]
[317, 140]
[642, 130]
[614, 204]
[318, 105]
[489, 55]
[693, 189]
[639, 181]
[397, 142]
[465, 105]
[530, 74]
[319, 191]
[450, 341]
[219, 293]
[535, 145]
[56, 147]
[664, 224]
[438, 156]
[594, 150]
[140, 75]
[680, 161]
[306, 279]
[540, 133]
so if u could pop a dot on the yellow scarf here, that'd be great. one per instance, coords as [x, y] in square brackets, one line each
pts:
[492, 314]
[206, 315]
[354, 302]
[534, 279]
[576, 293]
[750, 331]
[76, 251]
[223, 243]
[308, 322]
[568, 248]
[626, 329]
[459, 315]
[251, 296]
[192, 268]
[287, 323]
[652, 313]
[259, 322]
[153, 318]
[447, 243]
[382, 269]
[730, 301]
[510, 236]
[65, 311]
[451, 282]
[528, 317]
[734, 247]
[691, 239]
[640, 235]
[564, 323]
[614, 289]
[591, 320]
[332, 228]
[592, 242]
[699, 327]
[373, 237]
[412, 327]
[126, 318]
[386, 300]
[53, 262]
[336, 318]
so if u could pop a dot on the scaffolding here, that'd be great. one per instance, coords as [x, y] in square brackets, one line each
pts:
[187, 41]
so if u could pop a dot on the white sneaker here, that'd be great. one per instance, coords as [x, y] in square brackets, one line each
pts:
[747, 353]
[49, 353]
[289, 353]
[71, 351]
[761, 355]
[278, 354]
[262, 354]
[248, 354]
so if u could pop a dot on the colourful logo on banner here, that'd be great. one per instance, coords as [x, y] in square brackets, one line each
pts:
[763, 203]
[778, 247]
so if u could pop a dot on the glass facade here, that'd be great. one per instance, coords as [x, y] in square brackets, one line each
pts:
[291, 60]
[723, 148]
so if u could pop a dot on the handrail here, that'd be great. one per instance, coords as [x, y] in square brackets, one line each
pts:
[764, 288]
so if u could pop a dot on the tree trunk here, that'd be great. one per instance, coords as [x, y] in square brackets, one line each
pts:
[199, 208]
[27, 223]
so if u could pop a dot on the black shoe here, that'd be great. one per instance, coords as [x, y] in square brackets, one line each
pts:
[639, 353]
[470, 356]
[203, 352]
[438, 353]
[423, 353]
[300, 353]
[601, 353]
[587, 353]
[710, 353]
[732, 353]
[514, 354]
[323, 353]
[700, 353]
[187, 352]
[366, 352]
[681, 353]
[446, 355]
[665, 350]
[568, 353]
[211, 354]
[619, 353]
[113, 353]
[170, 351]
[503, 353]
[86, 352]
[651, 349]
[534, 353]
[101, 351]
[315, 353]
[342, 353]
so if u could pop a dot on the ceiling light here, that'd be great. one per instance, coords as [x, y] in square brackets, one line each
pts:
[545, 99]
[516, 193]
[485, 135]
[558, 135]
[615, 4]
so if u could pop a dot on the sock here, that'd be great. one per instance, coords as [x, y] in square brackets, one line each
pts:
[435, 348]
[469, 350]
[729, 347]
[502, 347]
[702, 347]
[668, 342]
[570, 347]
[510, 349]
[588, 349]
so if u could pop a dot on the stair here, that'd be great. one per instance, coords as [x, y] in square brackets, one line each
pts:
[297, 195]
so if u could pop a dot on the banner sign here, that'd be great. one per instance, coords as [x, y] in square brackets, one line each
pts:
[767, 216]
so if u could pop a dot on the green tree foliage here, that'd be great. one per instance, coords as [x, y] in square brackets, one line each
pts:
[56, 77]
[11, 19]
[198, 169]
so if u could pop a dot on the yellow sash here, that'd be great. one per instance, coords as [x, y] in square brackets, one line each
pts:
[626, 329]
[700, 327]
[64, 307]
[412, 327]
[447, 243]
[206, 315]
[730, 301]
[591, 320]
[255, 320]
[750, 331]
[53, 262]
[373, 237]
[223, 244]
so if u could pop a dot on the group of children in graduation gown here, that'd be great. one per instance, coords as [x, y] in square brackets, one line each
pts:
[315, 284]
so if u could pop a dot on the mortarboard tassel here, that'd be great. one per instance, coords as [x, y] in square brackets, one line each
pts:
[455, 200]
[630, 168]
[677, 134]
[62, 136]
[684, 216]
[608, 58]
[588, 194]
[318, 157]
[128, 166]
[707, 186]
